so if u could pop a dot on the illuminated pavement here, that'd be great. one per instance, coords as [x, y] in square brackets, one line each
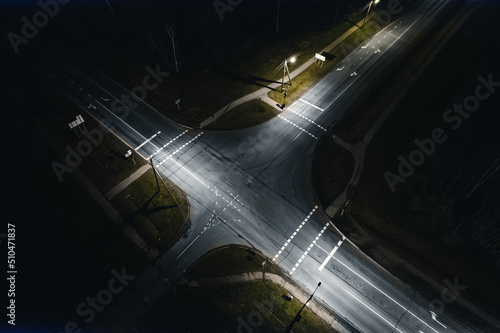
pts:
[253, 187]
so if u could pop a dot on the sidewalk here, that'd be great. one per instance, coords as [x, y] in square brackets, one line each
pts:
[126, 182]
[262, 92]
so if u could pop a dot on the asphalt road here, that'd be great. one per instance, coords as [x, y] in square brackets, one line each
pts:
[253, 187]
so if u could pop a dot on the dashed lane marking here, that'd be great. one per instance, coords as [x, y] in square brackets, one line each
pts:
[295, 233]
[300, 128]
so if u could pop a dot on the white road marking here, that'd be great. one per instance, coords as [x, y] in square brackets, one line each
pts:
[192, 174]
[330, 255]
[188, 247]
[434, 317]
[300, 128]
[309, 120]
[314, 106]
[167, 144]
[383, 293]
[179, 149]
[151, 138]
[296, 230]
[308, 249]
[369, 308]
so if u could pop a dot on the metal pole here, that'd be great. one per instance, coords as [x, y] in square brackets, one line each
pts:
[288, 72]
[283, 78]
[367, 12]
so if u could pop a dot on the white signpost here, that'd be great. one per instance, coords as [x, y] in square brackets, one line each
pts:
[320, 57]
[75, 123]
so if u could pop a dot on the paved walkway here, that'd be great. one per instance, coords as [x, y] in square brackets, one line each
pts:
[262, 93]
[126, 182]
[293, 290]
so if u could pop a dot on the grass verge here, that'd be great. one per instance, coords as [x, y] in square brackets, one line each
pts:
[158, 216]
[229, 261]
[205, 91]
[304, 81]
[157, 212]
[248, 114]
[237, 307]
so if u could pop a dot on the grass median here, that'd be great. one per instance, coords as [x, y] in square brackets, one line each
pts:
[332, 169]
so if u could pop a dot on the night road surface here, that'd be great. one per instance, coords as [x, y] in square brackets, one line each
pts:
[253, 187]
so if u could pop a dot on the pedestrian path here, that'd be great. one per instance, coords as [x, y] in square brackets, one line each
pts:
[126, 182]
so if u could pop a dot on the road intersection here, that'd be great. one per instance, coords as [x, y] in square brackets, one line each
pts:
[253, 187]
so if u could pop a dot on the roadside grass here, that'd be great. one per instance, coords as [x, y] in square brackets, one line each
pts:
[76, 218]
[157, 214]
[248, 114]
[229, 261]
[107, 166]
[230, 307]
[225, 308]
[204, 92]
[332, 169]
[314, 73]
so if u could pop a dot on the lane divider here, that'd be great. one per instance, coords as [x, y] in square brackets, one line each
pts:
[330, 255]
[314, 106]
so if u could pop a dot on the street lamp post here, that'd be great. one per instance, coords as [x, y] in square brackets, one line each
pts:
[298, 316]
[286, 72]
[368, 11]
[284, 98]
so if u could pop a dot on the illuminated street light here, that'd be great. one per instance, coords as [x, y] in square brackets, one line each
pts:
[286, 72]
[368, 11]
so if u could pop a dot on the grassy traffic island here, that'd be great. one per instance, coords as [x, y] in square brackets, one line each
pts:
[251, 306]
[434, 222]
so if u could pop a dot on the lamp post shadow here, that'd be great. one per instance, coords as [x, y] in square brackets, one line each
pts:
[296, 319]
